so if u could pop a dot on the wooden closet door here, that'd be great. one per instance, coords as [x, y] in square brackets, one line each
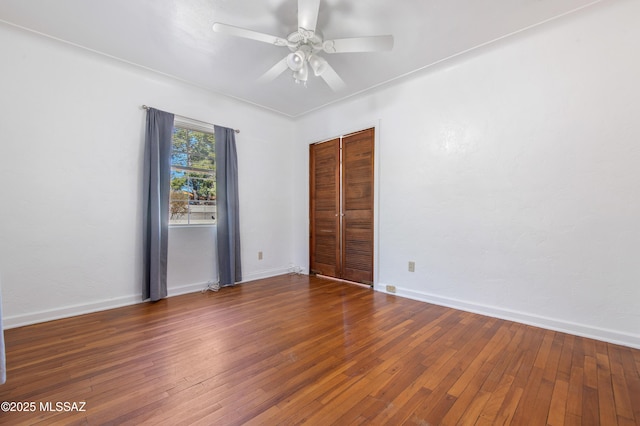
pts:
[357, 193]
[324, 177]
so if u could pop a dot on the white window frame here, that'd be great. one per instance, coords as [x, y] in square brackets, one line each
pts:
[198, 126]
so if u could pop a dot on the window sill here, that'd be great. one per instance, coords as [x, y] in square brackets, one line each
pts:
[193, 225]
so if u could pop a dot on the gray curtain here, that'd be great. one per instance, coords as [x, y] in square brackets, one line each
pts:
[3, 365]
[228, 223]
[156, 189]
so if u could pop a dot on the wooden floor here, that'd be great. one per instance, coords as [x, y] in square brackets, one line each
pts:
[294, 349]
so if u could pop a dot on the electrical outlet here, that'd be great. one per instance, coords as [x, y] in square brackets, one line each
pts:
[259, 255]
[391, 288]
[412, 266]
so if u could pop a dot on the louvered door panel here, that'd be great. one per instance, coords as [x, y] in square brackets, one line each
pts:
[357, 189]
[325, 208]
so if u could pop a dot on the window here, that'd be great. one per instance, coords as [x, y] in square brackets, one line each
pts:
[193, 175]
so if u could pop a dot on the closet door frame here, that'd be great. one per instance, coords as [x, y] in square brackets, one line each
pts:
[376, 196]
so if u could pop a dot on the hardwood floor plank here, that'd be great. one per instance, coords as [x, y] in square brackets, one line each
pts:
[444, 372]
[464, 401]
[509, 405]
[542, 403]
[558, 408]
[566, 356]
[295, 349]
[474, 409]
[590, 372]
[590, 414]
[574, 398]
[632, 379]
[402, 412]
[623, 404]
[606, 402]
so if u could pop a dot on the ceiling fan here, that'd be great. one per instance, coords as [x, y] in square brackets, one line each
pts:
[305, 45]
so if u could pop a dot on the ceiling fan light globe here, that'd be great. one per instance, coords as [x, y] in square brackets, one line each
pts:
[301, 75]
[318, 64]
[295, 60]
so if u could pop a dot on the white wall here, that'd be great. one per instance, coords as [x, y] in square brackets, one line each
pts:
[511, 177]
[71, 146]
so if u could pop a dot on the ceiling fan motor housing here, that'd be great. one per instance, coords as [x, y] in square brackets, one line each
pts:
[304, 37]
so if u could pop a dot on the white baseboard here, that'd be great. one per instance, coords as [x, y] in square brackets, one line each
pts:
[605, 335]
[68, 311]
[186, 289]
[102, 305]
[268, 273]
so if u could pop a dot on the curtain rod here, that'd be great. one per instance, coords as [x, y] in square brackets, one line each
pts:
[199, 121]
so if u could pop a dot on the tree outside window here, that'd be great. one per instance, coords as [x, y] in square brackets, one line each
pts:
[193, 185]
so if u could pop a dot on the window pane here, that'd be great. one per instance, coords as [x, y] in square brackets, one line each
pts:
[201, 211]
[193, 186]
[178, 207]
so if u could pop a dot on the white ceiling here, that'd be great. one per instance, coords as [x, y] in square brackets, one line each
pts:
[174, 37]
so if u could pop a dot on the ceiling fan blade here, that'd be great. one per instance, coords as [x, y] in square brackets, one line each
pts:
[250, 34]
[359, 44]
[331, 77]
[308, 14]
[274, 72]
